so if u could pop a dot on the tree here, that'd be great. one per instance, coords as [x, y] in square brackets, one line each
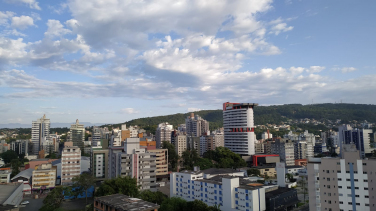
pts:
[174, 204]
[16, 164]
[153, 197]
[172, 155]
[225, 158]
[9, 156]
[189, 158]
[124, 185]
[253, 172]
[204, 163]
[289, 177]
[54, 199]
[52, 155]
[82, 183]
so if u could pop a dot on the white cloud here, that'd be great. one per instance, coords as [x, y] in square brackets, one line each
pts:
[193, 109]
[345, 69]
[279, 26]
[32, 3]
[55, 28]
[4, 16]
[129, 111]
[315, 69]
[22, 22]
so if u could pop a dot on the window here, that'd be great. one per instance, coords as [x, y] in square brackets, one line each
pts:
[364, 164]
[348, 187]
[366, 196]
[339, 179]
[365, 180]
[350, 203]
[347, 179]
[341, 202]
[357, 196]
[357, 203]
[338, 163]
[356, 180]
[327, 179]
[364, 172]
[365, 188]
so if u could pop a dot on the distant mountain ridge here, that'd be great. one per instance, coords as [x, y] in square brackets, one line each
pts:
[53, 125]
[274, 114]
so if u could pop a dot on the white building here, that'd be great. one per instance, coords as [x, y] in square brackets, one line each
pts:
[239, 127]
[266, 135]
[40, 131]
[163, 133]
[224, 187]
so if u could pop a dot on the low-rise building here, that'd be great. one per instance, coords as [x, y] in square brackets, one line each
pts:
[44, 177]
[294, 169]
[123, 203]
[281, 199]
[267, 171]
[224, 187]
[11, 195]
[5, 176]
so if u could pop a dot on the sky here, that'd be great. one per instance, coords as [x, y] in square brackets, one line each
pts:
[116, 60]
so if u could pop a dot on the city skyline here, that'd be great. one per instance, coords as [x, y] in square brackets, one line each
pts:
[112, 62]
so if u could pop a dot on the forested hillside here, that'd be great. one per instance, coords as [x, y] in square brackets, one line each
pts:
[273, 115]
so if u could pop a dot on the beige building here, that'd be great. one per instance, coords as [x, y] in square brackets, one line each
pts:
[70, 163]
[161, 161]
[180, 144]
[267, 170]
[163, 133]
[344, 183]
[44, 176]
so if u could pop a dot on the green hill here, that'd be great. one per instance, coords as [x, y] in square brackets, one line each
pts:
[272, 114]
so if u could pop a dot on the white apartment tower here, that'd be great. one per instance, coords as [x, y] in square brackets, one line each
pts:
[40, 131]
[70, 163]
[239, 128]
[163, 133]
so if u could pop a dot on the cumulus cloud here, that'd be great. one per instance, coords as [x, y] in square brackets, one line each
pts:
[279, 26]
[345, 69]
[22, 22]
[315, 69]
[4, 17]
[55, 28]
[193, 109]
[32, 3]
[129, 111]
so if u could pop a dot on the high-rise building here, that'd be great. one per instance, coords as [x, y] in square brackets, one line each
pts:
[70, 163]
[285, 149]
[163, 133]
[20, 146]
[77, 136]
[40, 131]
[342, 183]
[360, 137]
[211, 141]
[239, 127]
[99, 161]
[196, 126]
[180, 143]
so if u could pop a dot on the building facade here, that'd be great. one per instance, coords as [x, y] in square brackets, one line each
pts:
[224, 187]
[122, 202]
[180, 144]
[99, 162]
[44, 177]
[161, 161]
[285, 149]
[344, 183]
[70, 163]
[196, 126]
[40, 131]
[77, 135]
[238, 125]
[163, 133]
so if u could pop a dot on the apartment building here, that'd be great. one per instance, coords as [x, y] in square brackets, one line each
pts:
[238, 125]
[122, 202]
[163, 133]
[70, 163]
[77, 134]
[137, 162]
[193, 143]
[285, 149]
[224, 187]
[180, 144]
[161, 161]
[20, 146]
[196, 126]
[99, 162]
[5, 176]
[40, 131]
[44, 177]
[266, 135]
[360, 137]
[342, 183]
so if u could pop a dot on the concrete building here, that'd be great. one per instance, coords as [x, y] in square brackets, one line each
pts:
[5, 176]
[99, 162]
[70, 163]
[281, 199]
[266, 135]
[36, 162]
[193, 143]
[211, 141]
[4, 146]
[123, 203]
[342, 183]
[239, 127]
[163, 133]
[40, 131]
[259, 148]
[161, 162]
[285, 149]
[44, 177]
[224, 187]
[196, 126]
[136, 162]
[20, 146]
[267, 171]
[77, 136]
[180, 144]
[360, 137]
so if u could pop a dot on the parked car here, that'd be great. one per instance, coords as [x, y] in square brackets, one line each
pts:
[25, 202]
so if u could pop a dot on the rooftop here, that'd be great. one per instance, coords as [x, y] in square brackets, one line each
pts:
[244, 182]
[211, 171]
[7, 190]
[26, 173]
[293, 167]
[125, 203]
[278, 191]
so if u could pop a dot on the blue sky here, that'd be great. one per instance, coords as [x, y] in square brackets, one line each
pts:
[112, 61]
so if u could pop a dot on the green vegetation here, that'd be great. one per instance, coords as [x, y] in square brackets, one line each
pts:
[8, 156]
[225, 158]
[123, 185]
[82, 183]
[54, 199]
[173, 157]
[190, 158]
[153, 197]
[253, 172]
[179, 204]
